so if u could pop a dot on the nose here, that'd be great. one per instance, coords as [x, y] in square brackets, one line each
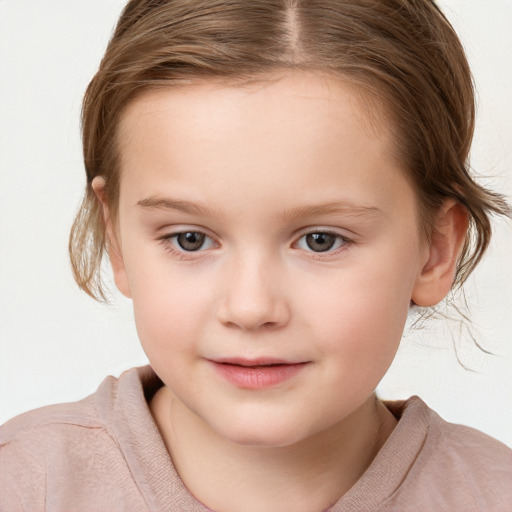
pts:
[254, 296]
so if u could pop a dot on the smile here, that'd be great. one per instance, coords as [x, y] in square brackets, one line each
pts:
[257, 373]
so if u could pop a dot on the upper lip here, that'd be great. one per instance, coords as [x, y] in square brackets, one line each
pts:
[259, 361]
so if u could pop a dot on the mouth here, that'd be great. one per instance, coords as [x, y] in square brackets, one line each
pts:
[258, 373]
[254, 363]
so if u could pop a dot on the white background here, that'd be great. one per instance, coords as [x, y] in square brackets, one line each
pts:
[57, 344]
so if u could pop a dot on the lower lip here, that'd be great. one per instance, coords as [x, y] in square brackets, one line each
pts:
[258, 377]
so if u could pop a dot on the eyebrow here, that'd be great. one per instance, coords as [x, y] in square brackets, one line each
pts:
[164, 203]
[331, 208]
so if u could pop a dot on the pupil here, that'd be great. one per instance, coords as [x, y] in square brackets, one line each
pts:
[190, 241]
[320, 242]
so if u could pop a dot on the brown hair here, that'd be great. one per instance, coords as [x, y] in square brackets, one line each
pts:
[403, 53]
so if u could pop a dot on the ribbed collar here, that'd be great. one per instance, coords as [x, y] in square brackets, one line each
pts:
[122, 405]
[393, 461]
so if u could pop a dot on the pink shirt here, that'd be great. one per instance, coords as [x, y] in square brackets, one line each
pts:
[104, 453]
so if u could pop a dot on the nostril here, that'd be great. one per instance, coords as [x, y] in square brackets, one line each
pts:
[250, 322]
[253, 301]
[247, 326]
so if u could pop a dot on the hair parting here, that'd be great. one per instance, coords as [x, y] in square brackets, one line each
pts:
[403, 55]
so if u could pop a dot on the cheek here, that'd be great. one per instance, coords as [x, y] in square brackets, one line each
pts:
[360, 335]
[170, 308]
[169, 326]
[362, 312]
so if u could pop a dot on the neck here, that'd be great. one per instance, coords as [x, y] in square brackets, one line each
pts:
[307, 476]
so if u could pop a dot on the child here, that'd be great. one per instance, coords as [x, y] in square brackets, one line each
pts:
[276, 183]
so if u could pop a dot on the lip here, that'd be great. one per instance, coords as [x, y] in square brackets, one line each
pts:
[260, 373]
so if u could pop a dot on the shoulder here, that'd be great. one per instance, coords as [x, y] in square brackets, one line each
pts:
[38, 444]
[81, 414]
[97, 412]
[47, 427]
[37, 440]
[456, 467]
[67, 450]
[466, 448]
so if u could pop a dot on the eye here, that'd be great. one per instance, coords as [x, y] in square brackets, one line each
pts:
[190, 241]
[321, 241]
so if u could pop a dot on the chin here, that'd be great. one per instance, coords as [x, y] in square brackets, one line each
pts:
[264, 433]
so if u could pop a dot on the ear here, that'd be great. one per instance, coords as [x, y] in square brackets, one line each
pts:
[113, 246]
[438, 273]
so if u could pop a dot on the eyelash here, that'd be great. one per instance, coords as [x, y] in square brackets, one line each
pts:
[168, 240]
[345, 243]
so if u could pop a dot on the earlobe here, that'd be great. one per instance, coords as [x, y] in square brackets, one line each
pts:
[113, 247]
[437, 275]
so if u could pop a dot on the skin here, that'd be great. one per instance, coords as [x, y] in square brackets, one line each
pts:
[264, 160]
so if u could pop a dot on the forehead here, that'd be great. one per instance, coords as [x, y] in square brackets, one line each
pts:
[320, 98]
[295, 133]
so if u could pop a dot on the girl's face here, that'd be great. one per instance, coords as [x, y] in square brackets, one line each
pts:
[270, 243]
